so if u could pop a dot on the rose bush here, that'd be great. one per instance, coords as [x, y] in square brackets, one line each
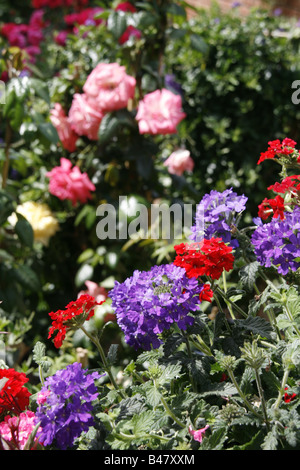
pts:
[163, 343]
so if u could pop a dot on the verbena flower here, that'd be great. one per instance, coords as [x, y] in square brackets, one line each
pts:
[149, 302]
[278, 149]
[272, 206]
[216, 214]
[198, 435]
[74, 315]
[207, 258]
[65, 410]
[16, 430]
[277, 243]
[14, 397]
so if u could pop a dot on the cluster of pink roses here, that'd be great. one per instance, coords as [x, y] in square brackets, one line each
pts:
[109, 88]
[26, 36]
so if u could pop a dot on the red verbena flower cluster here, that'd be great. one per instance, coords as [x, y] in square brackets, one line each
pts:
[290, 185]
[206, 293]
[288, 397]
[206, 258]
[272, 206]
[74, 315]
[277, 148]
[14, 397]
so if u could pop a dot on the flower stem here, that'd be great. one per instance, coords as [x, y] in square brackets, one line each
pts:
[242, 395]
[262, 398]
[107, 369]
[281, 391]
[225, 292]
[171, 414]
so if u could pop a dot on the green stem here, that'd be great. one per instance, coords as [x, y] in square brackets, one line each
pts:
[8, 135]
[188, 347]
[41, 375]
[225, 292]
[171, 414]
[282, 388]
[202, 346]
[130, 437]
[96, 342]
[262, 398]
[237, 308]
[249, 406]
[289, 314]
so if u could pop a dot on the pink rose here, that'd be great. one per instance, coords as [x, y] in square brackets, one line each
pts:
[85, 116]
[110, 86]
[129, 32]
[125, 6]
[179, 161]
[160, 112]
[96, 291]
[69, 183]
[61, 123]
[61, 38]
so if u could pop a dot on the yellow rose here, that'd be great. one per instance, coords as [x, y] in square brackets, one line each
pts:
[40, 217]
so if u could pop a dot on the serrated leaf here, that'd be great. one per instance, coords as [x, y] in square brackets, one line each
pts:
[215, 441]
[112, 353]
[248, 275]
[153, 396]
[170, 372]
[143, 422]
[257, 325]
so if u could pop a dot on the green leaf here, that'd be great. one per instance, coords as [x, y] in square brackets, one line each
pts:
[48, 131]
[39, 356]
[258, 326]
[40, 88]
[112, 353]
[153, 396]
[215, 441]
[6, 206]
[27, 277]
[24, 230]
[143, 422]
[248, 275]
[198, 43]
[117, 23]
[84, 273]
[108, 127]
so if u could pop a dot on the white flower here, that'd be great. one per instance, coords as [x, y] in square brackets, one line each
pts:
[40, 217]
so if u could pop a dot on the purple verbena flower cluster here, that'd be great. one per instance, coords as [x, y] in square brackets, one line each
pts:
[66, 405]
[215, 215]
[277, 243]
[149, 302]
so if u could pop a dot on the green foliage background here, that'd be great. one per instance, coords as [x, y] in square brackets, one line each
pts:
[235, 74]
